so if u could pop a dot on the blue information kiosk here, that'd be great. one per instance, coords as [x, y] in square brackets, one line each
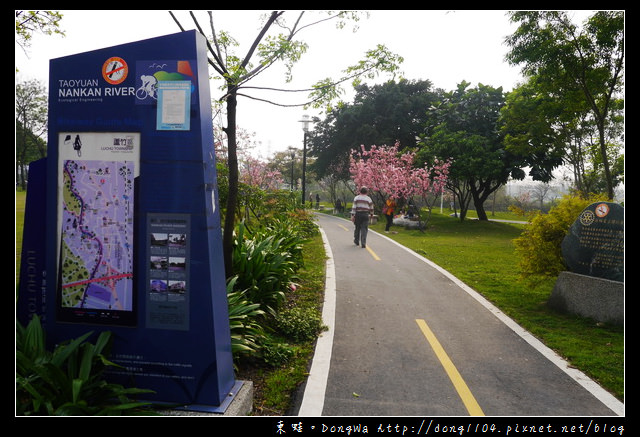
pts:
[132, 236]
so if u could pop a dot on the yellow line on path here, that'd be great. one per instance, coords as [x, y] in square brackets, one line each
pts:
[373, 254]
[463, 391]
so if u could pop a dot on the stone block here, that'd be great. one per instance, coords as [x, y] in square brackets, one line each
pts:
[588, 296]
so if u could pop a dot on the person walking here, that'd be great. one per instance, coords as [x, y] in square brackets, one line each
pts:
[361, 212]
[388, 211]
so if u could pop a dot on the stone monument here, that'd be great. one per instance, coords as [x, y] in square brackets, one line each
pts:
[593, 251]
[595, 243]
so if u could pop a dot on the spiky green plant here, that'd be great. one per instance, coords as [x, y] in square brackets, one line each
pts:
[69, 380]
[244, 321]
[264, 267]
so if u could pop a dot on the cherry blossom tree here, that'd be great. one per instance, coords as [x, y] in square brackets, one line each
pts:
[256, 173]
[387, 172]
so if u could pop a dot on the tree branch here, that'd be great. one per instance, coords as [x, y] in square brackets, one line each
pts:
[215, 38]
[272, 18]
[219, 67]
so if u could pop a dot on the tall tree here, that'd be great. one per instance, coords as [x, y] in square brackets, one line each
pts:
[380, 114]
[538, 127]
[466, 130]
[589, 60]
[275, 42]
[549, 130]
[31, 125]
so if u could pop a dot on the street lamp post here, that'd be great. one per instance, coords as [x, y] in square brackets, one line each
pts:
[305, 127]
[293, 155]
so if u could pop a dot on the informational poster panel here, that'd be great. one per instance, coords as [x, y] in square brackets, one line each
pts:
[167, 296]
[173, 105]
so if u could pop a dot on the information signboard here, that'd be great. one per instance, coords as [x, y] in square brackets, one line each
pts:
[133, 240]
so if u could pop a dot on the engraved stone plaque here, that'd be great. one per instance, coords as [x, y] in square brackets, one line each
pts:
[594, 245]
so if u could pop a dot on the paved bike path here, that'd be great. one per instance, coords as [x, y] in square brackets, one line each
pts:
[406, 338]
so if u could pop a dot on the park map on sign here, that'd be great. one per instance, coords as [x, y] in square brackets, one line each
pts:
[97, 235]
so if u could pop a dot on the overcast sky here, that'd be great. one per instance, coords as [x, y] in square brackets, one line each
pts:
[445, 47]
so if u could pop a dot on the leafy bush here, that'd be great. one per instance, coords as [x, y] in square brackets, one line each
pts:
[305, 222]
[539, 246]
[68, 381]
[286, 231]
[275, 353]
[267, 254]
[264, 267]
[299, 324]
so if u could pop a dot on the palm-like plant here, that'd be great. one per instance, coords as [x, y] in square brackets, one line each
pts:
[68, 381]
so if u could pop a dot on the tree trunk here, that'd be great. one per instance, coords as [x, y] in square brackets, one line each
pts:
[605, 162]
[232, 199]
[482, 214]
[463, 200]
[478, 201]
[480, 195]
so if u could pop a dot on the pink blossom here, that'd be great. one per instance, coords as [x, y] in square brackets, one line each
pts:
[385, 170]
[255, 172]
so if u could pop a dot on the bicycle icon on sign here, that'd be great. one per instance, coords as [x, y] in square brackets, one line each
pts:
[148, 88]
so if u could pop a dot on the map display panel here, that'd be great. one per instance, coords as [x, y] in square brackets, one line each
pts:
[96, 216]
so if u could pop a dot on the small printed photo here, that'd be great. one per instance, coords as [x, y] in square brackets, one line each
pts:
[159, 239]
[158, 286]
[177, 240]
[177, 263]
[179, 287]
[159, 263]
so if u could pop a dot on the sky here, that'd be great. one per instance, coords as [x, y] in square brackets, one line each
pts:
[445, 47]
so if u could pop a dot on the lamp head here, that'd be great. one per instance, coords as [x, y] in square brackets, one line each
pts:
[305, 122]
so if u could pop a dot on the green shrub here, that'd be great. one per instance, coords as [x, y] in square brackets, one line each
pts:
[287, 233]
[299, 324]
[275, 353]
[267, 254]
[68, 381]
[264, 267]
[539, 246]
[305, 221]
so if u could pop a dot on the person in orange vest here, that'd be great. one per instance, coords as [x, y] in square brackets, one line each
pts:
[388, 211]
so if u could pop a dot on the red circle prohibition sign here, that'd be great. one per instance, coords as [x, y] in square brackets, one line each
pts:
[115, 70]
